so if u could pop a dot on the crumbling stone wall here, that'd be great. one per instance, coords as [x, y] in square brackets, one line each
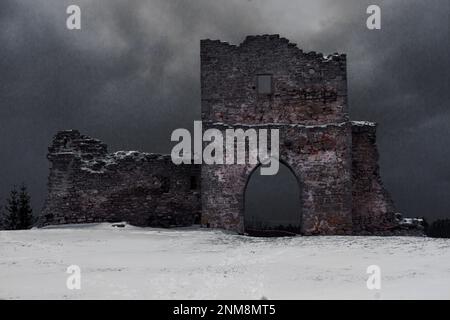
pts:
[334, 160]
[373, 208]
[308, 88]
[308, 104]
[319, 156]
[87, 184]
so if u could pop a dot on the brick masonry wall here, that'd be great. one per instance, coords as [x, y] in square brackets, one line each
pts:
[86, 184]
[308, 104]
[308, 88]
[334, 160]
[319, 156]
[373, 208]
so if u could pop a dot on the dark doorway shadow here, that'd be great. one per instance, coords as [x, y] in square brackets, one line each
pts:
[272, 205]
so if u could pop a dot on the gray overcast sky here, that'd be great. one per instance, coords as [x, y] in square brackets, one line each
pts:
[131, 76]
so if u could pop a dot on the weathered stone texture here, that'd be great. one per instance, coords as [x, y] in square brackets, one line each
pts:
[308, 87]
[308, 105]
[334, 160]
[319, 156]
[341, 188]
[373, 208]
[86, 184]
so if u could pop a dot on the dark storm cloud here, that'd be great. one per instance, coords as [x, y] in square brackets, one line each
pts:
[131, 76]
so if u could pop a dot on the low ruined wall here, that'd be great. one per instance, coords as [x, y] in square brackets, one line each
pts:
[373, 209]
[86, 184]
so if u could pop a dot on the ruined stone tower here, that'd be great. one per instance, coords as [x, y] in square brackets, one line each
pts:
[268, 82]
[265, 82]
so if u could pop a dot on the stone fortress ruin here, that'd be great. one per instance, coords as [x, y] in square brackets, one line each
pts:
[265, 82]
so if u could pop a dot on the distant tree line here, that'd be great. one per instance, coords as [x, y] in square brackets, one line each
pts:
[17, 213]
[439, 229]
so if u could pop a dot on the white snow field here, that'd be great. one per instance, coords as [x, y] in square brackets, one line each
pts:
[194, 263]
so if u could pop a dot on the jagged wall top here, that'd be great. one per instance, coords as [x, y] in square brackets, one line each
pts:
[209, 45]
[92, 154]
[307, 87]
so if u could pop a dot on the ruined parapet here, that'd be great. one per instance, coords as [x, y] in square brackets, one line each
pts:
[373, 208]
[306, 87]
[87, 184]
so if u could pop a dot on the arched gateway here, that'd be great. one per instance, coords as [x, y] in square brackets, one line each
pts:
[272, 204]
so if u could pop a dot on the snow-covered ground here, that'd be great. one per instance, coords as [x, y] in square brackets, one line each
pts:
[144, 263]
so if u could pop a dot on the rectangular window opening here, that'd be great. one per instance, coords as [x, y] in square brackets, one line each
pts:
[264, 84]
[193, 183]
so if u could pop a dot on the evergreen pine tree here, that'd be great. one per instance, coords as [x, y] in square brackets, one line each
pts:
[12, 210]
[2, 220]
[25, 220]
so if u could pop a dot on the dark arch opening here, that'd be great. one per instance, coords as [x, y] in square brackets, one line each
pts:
[272, 204]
